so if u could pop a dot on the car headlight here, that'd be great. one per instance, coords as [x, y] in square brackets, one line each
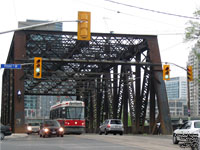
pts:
[61, 129]
[29, 128]
[46, 130]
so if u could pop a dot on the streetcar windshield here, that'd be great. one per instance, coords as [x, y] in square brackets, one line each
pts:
[73, 113]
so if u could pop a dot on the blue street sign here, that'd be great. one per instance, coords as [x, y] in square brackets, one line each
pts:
[11, 66]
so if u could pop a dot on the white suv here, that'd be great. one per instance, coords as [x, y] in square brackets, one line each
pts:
[111, 126]
[188, 128]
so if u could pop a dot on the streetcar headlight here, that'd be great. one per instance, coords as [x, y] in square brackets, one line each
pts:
[29, 128]
[46, 130]
[61, 129]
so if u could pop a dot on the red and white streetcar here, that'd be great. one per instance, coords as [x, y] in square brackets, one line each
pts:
[70, 114]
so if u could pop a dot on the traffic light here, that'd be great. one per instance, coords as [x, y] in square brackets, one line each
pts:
[166, 72]
[84, 26]
[189, 73]
[38, 67]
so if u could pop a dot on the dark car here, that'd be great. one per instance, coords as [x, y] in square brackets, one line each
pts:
[4, 131]
[51, 127]
[111, 126]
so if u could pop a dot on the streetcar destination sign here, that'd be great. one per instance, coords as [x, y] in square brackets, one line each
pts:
[11, 66]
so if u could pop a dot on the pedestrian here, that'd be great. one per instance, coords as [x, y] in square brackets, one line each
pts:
[158, 128]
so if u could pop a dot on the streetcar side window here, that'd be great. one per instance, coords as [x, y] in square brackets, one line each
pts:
[63, 112]
[53, 114]
[58, 113]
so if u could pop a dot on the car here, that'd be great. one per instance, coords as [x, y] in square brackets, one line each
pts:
[33, 128]
[51, 127]
[114, 126]
[190, 128]
[4, 131]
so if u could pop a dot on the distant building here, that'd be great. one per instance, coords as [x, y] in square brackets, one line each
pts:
[177, 96]
[194, 85]
[55, 27]
[30, 106]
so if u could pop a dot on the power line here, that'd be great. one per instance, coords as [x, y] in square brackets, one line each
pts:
[128, 14]
[140, 17]
[151, 10]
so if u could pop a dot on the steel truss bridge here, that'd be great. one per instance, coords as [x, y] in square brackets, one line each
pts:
[116, 75]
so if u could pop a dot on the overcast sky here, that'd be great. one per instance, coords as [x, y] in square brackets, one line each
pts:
[106, 17]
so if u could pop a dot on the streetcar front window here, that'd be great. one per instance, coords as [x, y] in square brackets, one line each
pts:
[73, 113]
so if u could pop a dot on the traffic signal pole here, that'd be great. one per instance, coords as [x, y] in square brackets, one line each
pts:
[189, 78]
[188, 102]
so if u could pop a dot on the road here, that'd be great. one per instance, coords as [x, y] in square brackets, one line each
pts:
[90, 142]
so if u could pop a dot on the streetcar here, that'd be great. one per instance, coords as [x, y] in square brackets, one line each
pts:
[70, 115]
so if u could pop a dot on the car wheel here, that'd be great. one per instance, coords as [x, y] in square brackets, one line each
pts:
[2, 136]
[40, 135]
[100, 133]
[114, 133]
[175, 141]
[62, 135]
[195, 147]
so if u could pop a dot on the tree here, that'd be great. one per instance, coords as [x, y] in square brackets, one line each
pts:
[193, 31]
[193, 34]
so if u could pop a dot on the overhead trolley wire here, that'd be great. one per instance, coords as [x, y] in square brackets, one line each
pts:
[151, 10]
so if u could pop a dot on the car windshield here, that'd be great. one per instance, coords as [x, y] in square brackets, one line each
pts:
[115, 122]
[33, 124]
[73, 113]
[51, 123]
[196, 124]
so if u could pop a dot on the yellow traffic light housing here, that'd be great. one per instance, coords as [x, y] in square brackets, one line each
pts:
[166, 72]
[38, 67]
[84, 26]
[189, 73]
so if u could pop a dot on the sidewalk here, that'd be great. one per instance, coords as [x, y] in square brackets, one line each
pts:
[17, 135]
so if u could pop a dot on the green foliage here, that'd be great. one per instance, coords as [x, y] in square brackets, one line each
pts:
[129, 120]
[192, 32]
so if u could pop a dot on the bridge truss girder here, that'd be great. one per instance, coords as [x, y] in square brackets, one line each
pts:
[109, 90]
